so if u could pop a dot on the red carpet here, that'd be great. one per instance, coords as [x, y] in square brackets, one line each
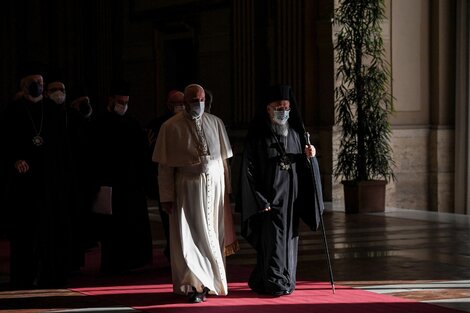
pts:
[152, 292]
[308, 297]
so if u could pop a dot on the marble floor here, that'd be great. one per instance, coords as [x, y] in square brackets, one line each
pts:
[409, 254]
[417, 255]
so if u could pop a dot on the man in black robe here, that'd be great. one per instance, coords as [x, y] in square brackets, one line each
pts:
[79, 194]
[38, 217]
[275, 181]
[120, 165]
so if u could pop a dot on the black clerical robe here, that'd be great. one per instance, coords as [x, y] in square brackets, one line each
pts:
[288, 191]
[37, 206]
[121, 161]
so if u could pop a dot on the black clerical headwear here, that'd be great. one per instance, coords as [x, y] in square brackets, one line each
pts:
[277, 93]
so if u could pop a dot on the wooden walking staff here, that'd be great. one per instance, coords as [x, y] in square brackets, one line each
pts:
[315, 172]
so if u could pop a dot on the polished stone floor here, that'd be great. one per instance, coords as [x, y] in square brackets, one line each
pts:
[409, 254]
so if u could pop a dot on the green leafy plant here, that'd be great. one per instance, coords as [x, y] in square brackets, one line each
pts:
[363, 102]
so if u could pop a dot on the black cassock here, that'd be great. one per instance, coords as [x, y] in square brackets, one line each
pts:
[286, 185]
[121, 161]
[36, 205]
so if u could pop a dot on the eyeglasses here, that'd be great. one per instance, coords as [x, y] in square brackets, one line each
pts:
[282, 109]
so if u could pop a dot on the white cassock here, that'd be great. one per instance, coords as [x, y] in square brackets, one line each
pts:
[191, 155]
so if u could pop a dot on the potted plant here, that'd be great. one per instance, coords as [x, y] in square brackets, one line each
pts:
[363, 105]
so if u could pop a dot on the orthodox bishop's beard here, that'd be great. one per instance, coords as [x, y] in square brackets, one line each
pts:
[279, 129]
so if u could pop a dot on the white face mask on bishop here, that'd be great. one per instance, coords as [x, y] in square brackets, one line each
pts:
[58, 96]
[120, 109]
[281, 116]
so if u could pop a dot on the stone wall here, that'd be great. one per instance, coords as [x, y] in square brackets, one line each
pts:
[424, 172]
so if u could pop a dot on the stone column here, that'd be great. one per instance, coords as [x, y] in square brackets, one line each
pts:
[441, 152]
[462, 112]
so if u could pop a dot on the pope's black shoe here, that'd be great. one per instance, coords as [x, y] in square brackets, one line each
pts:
[198, 297]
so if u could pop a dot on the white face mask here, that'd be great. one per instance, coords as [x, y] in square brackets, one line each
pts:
[281, 117]
[87, 115]
[85, 109]
[196, 109]
[120, 108]
[58, 96]
[178, 108]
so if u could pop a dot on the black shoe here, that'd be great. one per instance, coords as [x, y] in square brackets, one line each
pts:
[198, 297]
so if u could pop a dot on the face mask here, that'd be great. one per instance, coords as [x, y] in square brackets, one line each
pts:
[281, 117]
[178, 108]
[196, 109]
[35, 90]
[85, 109]
[120, 108]
[35, 100]
[58, 96]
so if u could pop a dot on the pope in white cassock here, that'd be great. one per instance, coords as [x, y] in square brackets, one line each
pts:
[191, 150]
